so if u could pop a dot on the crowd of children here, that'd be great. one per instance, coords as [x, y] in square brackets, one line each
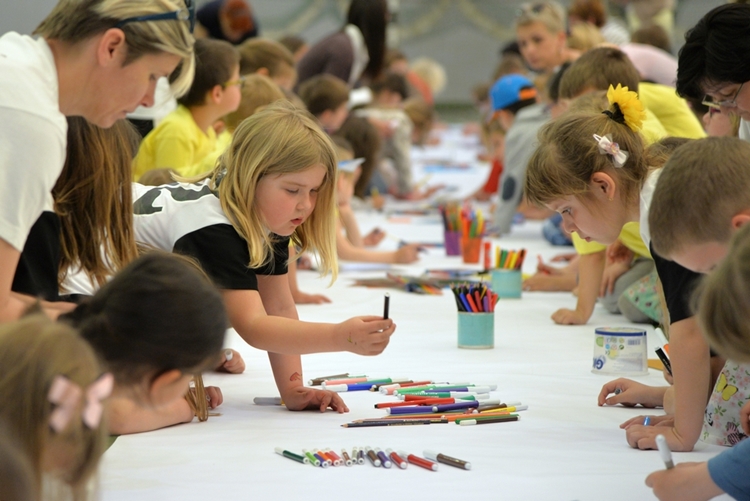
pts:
[124, 260]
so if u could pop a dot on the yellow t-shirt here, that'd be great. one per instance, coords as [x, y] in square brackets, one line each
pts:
[652, 129]
[177, 143]
[630, 236]
[671, 110]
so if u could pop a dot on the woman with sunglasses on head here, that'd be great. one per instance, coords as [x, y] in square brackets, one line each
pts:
[713, 63]
[98, 59]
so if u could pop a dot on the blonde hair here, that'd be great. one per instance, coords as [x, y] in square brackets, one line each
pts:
[280, 139]
[598, 69]
[585, 36]
[568, 155]
[723, 301]
[258, 91]
[431, 72]
[257, 53]
[74, 21]
[33, 352]
[550, 14]
[422, 116]
[702, 186]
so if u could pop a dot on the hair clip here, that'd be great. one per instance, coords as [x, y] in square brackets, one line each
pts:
[95, 393]
[609, 147]
[65, 395]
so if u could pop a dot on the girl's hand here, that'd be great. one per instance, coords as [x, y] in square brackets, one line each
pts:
[302, 398]
[234, 366]
[305, 298]
[214, 396]
[644, 437]
[373, 238]
[406, 254]
[684, 482]
[611, 273]
[745, 417]
[565, 316]
[365, 335]
[630, 394]
[663, 420]
[617, 252]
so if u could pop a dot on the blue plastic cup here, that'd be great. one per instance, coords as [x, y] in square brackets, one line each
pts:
[476, 330]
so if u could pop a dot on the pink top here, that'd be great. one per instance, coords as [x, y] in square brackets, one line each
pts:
[654, 65]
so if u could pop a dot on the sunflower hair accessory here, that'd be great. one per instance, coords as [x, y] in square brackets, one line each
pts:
[628, 109]
[609, 147]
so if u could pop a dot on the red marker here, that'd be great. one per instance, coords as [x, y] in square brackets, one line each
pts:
[424, 463]
[400, 462]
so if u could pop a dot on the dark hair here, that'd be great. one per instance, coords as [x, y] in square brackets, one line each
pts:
[392, 82]
[365, 142]
[553, 86]
[589, 11]
[370, 17]
[215, 61]
[156, 315]
[598, 69]
[715, 51]
[323, 92]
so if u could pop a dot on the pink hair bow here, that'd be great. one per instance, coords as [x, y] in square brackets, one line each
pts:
[95, 393]
[65, 395]
[609, 147]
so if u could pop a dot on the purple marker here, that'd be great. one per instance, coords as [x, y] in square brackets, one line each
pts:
[418, 409]
[384, 461]
[455, 407]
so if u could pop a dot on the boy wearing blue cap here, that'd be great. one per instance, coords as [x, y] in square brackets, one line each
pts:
[515, 106]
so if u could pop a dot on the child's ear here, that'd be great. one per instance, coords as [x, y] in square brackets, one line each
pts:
[215, 94]
[740, 219]
[262, 71]
[603, 185]
[164, 387]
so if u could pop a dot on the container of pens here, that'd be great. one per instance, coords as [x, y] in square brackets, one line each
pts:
[506, 277]
[472, 230]
[451, 228]
[476, 316]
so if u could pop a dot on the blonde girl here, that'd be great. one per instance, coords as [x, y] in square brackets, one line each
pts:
[540, 32]
[274, 183]
[54, 391]
[594, 169]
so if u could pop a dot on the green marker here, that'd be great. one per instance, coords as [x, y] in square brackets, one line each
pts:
[312, 459]
[292, 456]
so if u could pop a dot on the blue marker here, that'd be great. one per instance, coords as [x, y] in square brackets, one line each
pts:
[647, 421]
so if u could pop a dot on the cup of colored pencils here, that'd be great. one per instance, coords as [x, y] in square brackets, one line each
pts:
[505, 272]
[476, 315]
[451, 228]
[472, 230]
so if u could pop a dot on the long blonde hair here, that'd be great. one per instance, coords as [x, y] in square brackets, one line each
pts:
[279, 139]
[33, 352]
[74, 21]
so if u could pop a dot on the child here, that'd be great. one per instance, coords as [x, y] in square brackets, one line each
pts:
[722, 312]
[496, 149]
[274, 182]
[155, 325]
[186, 136]
[57, 390]
[515, 107]
[269, 58]
[389, 91]
[597, 188]
[366, 143]
[327, 98]
[258, 91]
[540, 32]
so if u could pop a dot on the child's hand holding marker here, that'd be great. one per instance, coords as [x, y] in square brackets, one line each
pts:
[365, 335]
[684, 482]
[631, 394]
[231, 362]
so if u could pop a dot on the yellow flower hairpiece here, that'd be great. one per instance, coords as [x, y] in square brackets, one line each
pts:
[630, 106]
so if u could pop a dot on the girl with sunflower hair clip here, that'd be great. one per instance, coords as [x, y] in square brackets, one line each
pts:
[592, 166]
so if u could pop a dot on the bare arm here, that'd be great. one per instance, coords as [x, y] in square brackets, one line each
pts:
[346, 251]
[126, 416]
[590, 270]
[350, 226]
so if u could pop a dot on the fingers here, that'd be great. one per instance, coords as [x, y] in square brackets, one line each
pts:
[375, 324]
[215, 397]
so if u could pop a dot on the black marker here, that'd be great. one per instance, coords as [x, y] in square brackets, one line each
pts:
[386, 306]
[664, 359]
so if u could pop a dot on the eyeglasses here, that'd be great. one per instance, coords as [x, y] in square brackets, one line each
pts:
[531, 10]
[186, 14]
[240, 81]
[727, 103]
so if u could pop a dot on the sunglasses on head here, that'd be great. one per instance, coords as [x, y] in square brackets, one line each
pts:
[186, 14]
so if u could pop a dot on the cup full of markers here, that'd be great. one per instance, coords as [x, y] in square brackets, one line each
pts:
[472, 231]
[476, 315]
[451, 228]
[505, 271]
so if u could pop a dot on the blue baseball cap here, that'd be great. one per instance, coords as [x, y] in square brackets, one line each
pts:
[511, 89]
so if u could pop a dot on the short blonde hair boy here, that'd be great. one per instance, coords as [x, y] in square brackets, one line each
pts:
[550, 14]
[723, 301]
[597, 69]
[703, 185]
[74, 21]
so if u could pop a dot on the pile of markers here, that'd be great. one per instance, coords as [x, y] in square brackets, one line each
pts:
[377, 458]
[503, 258]
[472, 223]
[474, 298]
[465, 404]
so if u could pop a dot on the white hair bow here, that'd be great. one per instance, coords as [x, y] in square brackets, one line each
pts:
[65, 395]
[609, 147]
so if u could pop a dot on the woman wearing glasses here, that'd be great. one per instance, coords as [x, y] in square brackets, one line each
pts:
[713, 63]
[98, 59]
